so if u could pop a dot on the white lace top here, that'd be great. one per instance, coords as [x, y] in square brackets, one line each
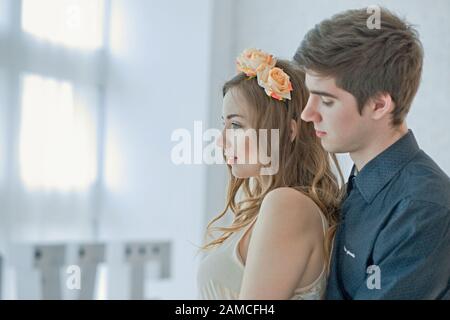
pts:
[221, 271]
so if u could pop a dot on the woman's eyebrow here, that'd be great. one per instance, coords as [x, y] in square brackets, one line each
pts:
[230, 116]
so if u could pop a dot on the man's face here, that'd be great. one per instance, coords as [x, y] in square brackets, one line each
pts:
[335, 115]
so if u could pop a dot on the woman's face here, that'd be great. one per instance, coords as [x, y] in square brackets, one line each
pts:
[238, 138]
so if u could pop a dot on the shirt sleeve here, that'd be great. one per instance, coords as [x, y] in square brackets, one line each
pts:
[411, 255]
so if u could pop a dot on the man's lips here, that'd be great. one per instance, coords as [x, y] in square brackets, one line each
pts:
[320, 134]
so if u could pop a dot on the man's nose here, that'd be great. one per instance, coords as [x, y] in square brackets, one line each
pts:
[310, 113]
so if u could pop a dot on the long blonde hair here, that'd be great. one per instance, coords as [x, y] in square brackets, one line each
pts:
[303, 163]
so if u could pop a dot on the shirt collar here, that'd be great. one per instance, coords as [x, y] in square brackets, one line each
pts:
[381, 169]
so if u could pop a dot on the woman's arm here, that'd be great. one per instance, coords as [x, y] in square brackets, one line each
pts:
[288, 229]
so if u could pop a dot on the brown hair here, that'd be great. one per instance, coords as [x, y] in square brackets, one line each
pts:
[366, 62]
[303, 163]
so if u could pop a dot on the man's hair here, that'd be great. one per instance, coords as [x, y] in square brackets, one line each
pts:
[364, 61]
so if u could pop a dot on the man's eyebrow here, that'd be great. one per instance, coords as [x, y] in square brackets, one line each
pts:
[323, 93]
[230, 116]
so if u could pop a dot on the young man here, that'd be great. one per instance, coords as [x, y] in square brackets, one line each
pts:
[393, 241]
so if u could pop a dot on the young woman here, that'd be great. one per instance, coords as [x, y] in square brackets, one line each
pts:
[278, 244]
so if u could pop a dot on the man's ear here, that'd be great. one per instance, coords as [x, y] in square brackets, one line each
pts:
[381, 105]
[293, 129]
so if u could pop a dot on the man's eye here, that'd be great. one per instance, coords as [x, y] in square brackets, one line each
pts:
[328, 103]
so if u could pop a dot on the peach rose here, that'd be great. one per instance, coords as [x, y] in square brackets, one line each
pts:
[275, 82]
[262, 73]
[249, 61]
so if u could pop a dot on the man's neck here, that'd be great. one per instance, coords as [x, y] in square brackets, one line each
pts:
[377, 146]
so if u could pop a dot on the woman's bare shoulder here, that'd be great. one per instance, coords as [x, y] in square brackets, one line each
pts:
[292, 208]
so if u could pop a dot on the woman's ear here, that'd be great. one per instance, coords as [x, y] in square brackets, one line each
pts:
[293, 129]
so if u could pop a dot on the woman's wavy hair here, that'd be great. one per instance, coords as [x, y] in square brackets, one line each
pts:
[303, 163]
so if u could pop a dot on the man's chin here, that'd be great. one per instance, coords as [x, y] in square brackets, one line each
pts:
[330, 147]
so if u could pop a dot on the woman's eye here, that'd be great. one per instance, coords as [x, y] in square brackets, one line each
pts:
[232, 125]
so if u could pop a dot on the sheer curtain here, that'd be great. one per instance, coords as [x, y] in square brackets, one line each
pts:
[52, 71]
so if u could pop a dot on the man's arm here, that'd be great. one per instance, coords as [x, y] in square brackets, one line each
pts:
[413, 254]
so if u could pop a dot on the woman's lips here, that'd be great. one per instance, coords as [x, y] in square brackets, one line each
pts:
[320, 134]
[232, 160]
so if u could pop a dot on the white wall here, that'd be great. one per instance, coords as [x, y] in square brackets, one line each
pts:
[158, 81]
[3, 150]
[4, 18]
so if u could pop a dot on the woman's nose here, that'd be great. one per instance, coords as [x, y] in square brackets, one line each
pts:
[221, 141]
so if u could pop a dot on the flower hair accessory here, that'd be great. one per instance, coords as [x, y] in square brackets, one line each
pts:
[275, 81]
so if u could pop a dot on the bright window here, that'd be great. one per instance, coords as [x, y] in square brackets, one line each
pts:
[57, 136]
[71, 23]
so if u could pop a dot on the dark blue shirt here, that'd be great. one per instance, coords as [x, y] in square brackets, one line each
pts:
[393, 241]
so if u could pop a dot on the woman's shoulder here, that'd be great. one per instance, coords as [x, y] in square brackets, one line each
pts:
[291, 198]
[292, 208]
